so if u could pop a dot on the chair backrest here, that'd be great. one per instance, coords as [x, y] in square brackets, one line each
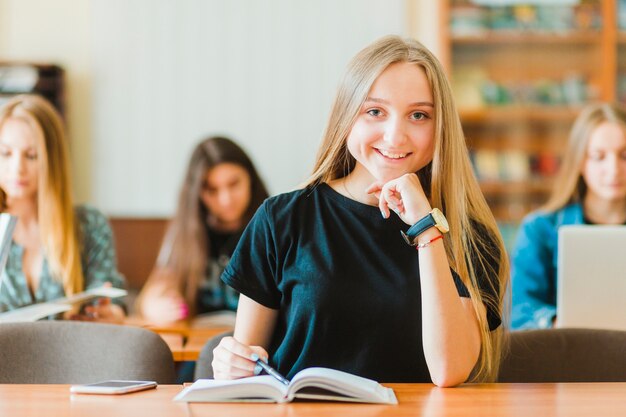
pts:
[58, 352]
[204, 369]
[137, 244]
[565, 355]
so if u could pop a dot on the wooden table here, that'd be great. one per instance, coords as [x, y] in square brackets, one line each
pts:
[185, 338]
[523, 400]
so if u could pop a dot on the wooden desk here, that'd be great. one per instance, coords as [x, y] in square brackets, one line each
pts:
[523, 400]
[176, 344]
[185, 338]
[56, 400]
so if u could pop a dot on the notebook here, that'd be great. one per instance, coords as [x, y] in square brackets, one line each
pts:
[591, 287]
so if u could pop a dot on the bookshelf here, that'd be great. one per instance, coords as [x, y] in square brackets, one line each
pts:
[47, 80]
[520, 75]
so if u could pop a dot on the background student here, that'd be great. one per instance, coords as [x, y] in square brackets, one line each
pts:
[589, 189]
[326, 279]
[57, 249]
[220, 193]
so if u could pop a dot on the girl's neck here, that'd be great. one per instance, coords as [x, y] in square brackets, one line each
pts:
[224, 227]
[354, 185]
[601, 211]
[26, 231]
[24, 209]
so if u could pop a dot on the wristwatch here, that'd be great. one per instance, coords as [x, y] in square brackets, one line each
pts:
[433, 219]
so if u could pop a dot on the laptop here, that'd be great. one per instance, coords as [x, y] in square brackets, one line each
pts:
[591, 287]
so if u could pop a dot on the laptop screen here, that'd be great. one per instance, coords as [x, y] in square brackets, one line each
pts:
[591, 287]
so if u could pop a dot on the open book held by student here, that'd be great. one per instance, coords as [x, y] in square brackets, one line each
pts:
[34, 312]
[311, 384]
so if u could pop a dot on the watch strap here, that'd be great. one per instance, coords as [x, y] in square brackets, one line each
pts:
[418, 228]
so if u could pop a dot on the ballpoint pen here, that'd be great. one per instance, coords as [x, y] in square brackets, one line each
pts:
[268, 369]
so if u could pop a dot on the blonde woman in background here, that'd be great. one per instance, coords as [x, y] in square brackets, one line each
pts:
[590, 188]
[219, 195]
[57, 249]
[326, 279]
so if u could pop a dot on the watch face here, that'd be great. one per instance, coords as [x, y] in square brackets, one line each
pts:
[440, 220]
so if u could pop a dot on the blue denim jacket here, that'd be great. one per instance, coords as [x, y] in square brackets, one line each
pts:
[533, 272]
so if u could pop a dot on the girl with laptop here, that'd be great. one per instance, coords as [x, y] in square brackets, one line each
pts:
[590, 188]
[359, 270]
[58, 249]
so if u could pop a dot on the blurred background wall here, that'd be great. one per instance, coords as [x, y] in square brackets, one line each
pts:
[147, 79]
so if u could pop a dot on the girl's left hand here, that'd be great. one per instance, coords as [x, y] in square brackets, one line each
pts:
[404, 195]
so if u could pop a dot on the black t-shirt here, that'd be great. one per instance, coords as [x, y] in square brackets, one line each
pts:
[213, 294]
[344, 281]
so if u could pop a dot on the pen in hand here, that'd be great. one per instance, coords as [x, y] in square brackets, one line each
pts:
[268, 369]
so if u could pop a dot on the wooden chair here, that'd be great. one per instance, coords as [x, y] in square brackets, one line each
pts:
[65, 352]
[565, 355]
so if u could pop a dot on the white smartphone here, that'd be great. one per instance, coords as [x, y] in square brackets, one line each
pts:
[112, 387]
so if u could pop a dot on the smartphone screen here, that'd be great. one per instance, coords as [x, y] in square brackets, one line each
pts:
[112, 387]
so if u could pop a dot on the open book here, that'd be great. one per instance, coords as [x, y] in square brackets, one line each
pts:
[311, 383]
[7, 227]
[38, 311]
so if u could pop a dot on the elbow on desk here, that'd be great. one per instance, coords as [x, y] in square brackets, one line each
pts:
[447, 378]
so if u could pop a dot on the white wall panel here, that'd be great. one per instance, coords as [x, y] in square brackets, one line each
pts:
[167, 73]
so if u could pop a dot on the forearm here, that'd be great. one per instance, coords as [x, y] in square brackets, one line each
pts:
[255, 323]
[450, 331]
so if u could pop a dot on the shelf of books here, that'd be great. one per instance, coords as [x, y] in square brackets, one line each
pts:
[521, 72]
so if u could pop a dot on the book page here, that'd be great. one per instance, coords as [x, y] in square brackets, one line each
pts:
[39, 311]
[33, 312]
[345, 386]
[7, 227]
[262, 388]
[109, 292]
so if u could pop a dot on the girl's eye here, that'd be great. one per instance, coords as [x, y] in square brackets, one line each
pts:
[595, 156]
[32, 156]
[374, 112]
[419, 116]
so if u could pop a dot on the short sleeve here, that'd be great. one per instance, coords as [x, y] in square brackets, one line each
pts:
[252, 269]
[98, 252]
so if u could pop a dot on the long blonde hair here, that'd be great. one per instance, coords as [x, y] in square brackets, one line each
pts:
[57, 224]
[448, 180]
[569, 186]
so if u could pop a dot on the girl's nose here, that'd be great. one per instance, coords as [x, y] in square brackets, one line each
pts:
[395, 132]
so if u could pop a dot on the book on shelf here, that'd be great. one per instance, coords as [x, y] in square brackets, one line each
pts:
[309, 384]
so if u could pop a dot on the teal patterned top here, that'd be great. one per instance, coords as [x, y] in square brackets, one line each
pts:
[97, 259]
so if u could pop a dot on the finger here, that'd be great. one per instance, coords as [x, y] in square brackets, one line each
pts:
[384, 208]
[260, 352]
[233, 345]
[391, 194]
[228, 362]
[374, 187]
[383, 202]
